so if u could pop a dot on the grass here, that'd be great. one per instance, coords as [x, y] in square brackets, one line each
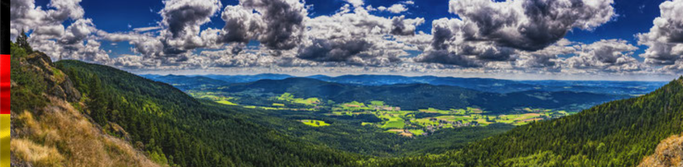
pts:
[417, 132]
[37, 154]
[667, 153]
[315, 123]
[288, 97]
[51, 138]
[367, 123]
[309, 101]
[226, 102]
[394, 124]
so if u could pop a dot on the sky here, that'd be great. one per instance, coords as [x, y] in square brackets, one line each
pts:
[510, 39]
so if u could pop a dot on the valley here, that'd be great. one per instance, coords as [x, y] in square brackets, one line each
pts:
[408, 110]
[343, 125]
[394, 120]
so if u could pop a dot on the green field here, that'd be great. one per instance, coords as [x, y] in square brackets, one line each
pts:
[287, 97]
[393, 118]
[315, 123]
[226, 102]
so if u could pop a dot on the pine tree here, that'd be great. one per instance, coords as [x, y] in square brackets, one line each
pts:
[97, 103]
[22, 41]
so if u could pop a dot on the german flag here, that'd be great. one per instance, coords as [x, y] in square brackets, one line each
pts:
[4, 84]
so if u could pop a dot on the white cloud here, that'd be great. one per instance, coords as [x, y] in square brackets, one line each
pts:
[143, 29]
[514, 36]
[676, 68]
[359, 38]
[355, 3]
[397, 8]
[501, 31]
[25, 15]
[610, 55]
[665, 39]
[182, 20]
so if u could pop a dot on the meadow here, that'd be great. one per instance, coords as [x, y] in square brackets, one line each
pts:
[393, 119]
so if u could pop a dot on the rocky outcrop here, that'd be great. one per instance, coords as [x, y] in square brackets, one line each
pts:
[669, 152]
[59, 84]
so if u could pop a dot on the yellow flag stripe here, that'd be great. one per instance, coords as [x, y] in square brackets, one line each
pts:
[4, 140]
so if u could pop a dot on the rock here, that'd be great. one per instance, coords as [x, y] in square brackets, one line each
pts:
[57, 91]
[669, 152]
[41, 61]
[72, 94]
[63, 86]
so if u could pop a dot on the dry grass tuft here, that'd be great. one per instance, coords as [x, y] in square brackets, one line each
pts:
[75, 141]
[669, 152]
[35, 153]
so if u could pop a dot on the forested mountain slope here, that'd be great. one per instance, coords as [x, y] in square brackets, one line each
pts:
[182, 131]
[49, 127]
[74, 112]
[618, 133]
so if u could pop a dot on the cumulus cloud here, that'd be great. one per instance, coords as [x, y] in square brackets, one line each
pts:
[276, 24]
[334, 50]
[360, 38]
[501, 31]
[546, 58]
[183, 17]
[395, 8]
[25, 15]
[665, 39]
[444, 32]
[178, 32]
[611, 55]
[182, 20]
[675, 68]
[529, 24]
[355, 3]
[446, 57]
[128, 61]
[513, 36]
[145, 44]
[401, 26]
[47, 32]
[284, 20]
[78, 31]
[241, 25]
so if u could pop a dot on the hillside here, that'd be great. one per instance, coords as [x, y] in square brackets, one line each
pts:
[126, 120]
[183, 131]
[48, 127]
[412, 96]
[618, 133]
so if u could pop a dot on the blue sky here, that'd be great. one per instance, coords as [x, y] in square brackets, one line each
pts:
[419, 55]
[635, 16]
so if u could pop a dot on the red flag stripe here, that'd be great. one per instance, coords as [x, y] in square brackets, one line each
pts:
[5, 98]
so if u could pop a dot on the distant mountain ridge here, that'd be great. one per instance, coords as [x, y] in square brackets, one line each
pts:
[413, 96]
[480, 84]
